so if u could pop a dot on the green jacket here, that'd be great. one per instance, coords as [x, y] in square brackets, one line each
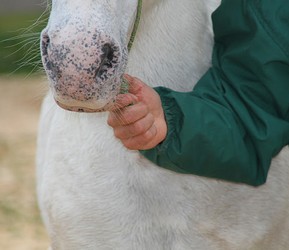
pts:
[236, 119]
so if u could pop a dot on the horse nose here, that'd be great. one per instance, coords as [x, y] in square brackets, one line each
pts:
[97, 55]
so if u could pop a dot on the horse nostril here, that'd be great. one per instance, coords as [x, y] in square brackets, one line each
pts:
[50, 65]
[108, 51]
[107, 60]
[45, 41]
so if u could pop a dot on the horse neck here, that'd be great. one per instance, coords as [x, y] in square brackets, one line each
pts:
[173, 43]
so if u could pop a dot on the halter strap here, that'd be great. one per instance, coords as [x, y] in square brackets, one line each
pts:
[135, 26]
[124, 83]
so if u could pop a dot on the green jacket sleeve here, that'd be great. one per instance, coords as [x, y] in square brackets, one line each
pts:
[236, 119]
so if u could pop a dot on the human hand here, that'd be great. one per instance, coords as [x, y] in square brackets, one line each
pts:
[142, 125]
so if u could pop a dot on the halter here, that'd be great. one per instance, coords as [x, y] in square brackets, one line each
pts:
[124, 83]
[136, 24]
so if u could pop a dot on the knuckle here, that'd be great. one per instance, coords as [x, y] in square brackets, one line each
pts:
[138, 128]
[129, 144]
[110, 121]
[117, 133]
[148, 135]
[122, 133]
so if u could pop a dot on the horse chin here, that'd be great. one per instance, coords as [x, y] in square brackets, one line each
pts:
[89, 96]
[84, 107]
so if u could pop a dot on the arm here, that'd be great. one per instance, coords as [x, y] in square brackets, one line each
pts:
[237, 117]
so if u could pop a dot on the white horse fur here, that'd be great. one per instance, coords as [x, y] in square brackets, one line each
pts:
[94, 193]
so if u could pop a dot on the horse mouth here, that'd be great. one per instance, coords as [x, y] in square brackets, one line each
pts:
[81, 108]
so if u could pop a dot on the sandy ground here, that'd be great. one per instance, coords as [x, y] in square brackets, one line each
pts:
[20, 223]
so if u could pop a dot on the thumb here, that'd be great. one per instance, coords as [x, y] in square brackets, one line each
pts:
[135, 84]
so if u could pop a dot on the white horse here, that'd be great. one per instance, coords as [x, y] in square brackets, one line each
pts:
[94, 193]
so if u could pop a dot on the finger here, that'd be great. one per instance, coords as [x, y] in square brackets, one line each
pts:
[138, 128]
[127, 115]
[135, 84]
[124, 100]
[141, 142]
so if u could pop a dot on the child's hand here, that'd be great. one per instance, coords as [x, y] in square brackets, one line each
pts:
[141, 125]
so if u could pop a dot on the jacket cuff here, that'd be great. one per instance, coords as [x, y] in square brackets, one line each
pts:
[159, 154]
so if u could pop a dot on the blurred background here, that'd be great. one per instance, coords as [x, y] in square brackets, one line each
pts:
[22, 86]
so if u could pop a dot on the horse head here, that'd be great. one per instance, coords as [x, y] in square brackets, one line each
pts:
[84, 52]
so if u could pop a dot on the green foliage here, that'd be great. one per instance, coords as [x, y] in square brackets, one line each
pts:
[19, 42]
